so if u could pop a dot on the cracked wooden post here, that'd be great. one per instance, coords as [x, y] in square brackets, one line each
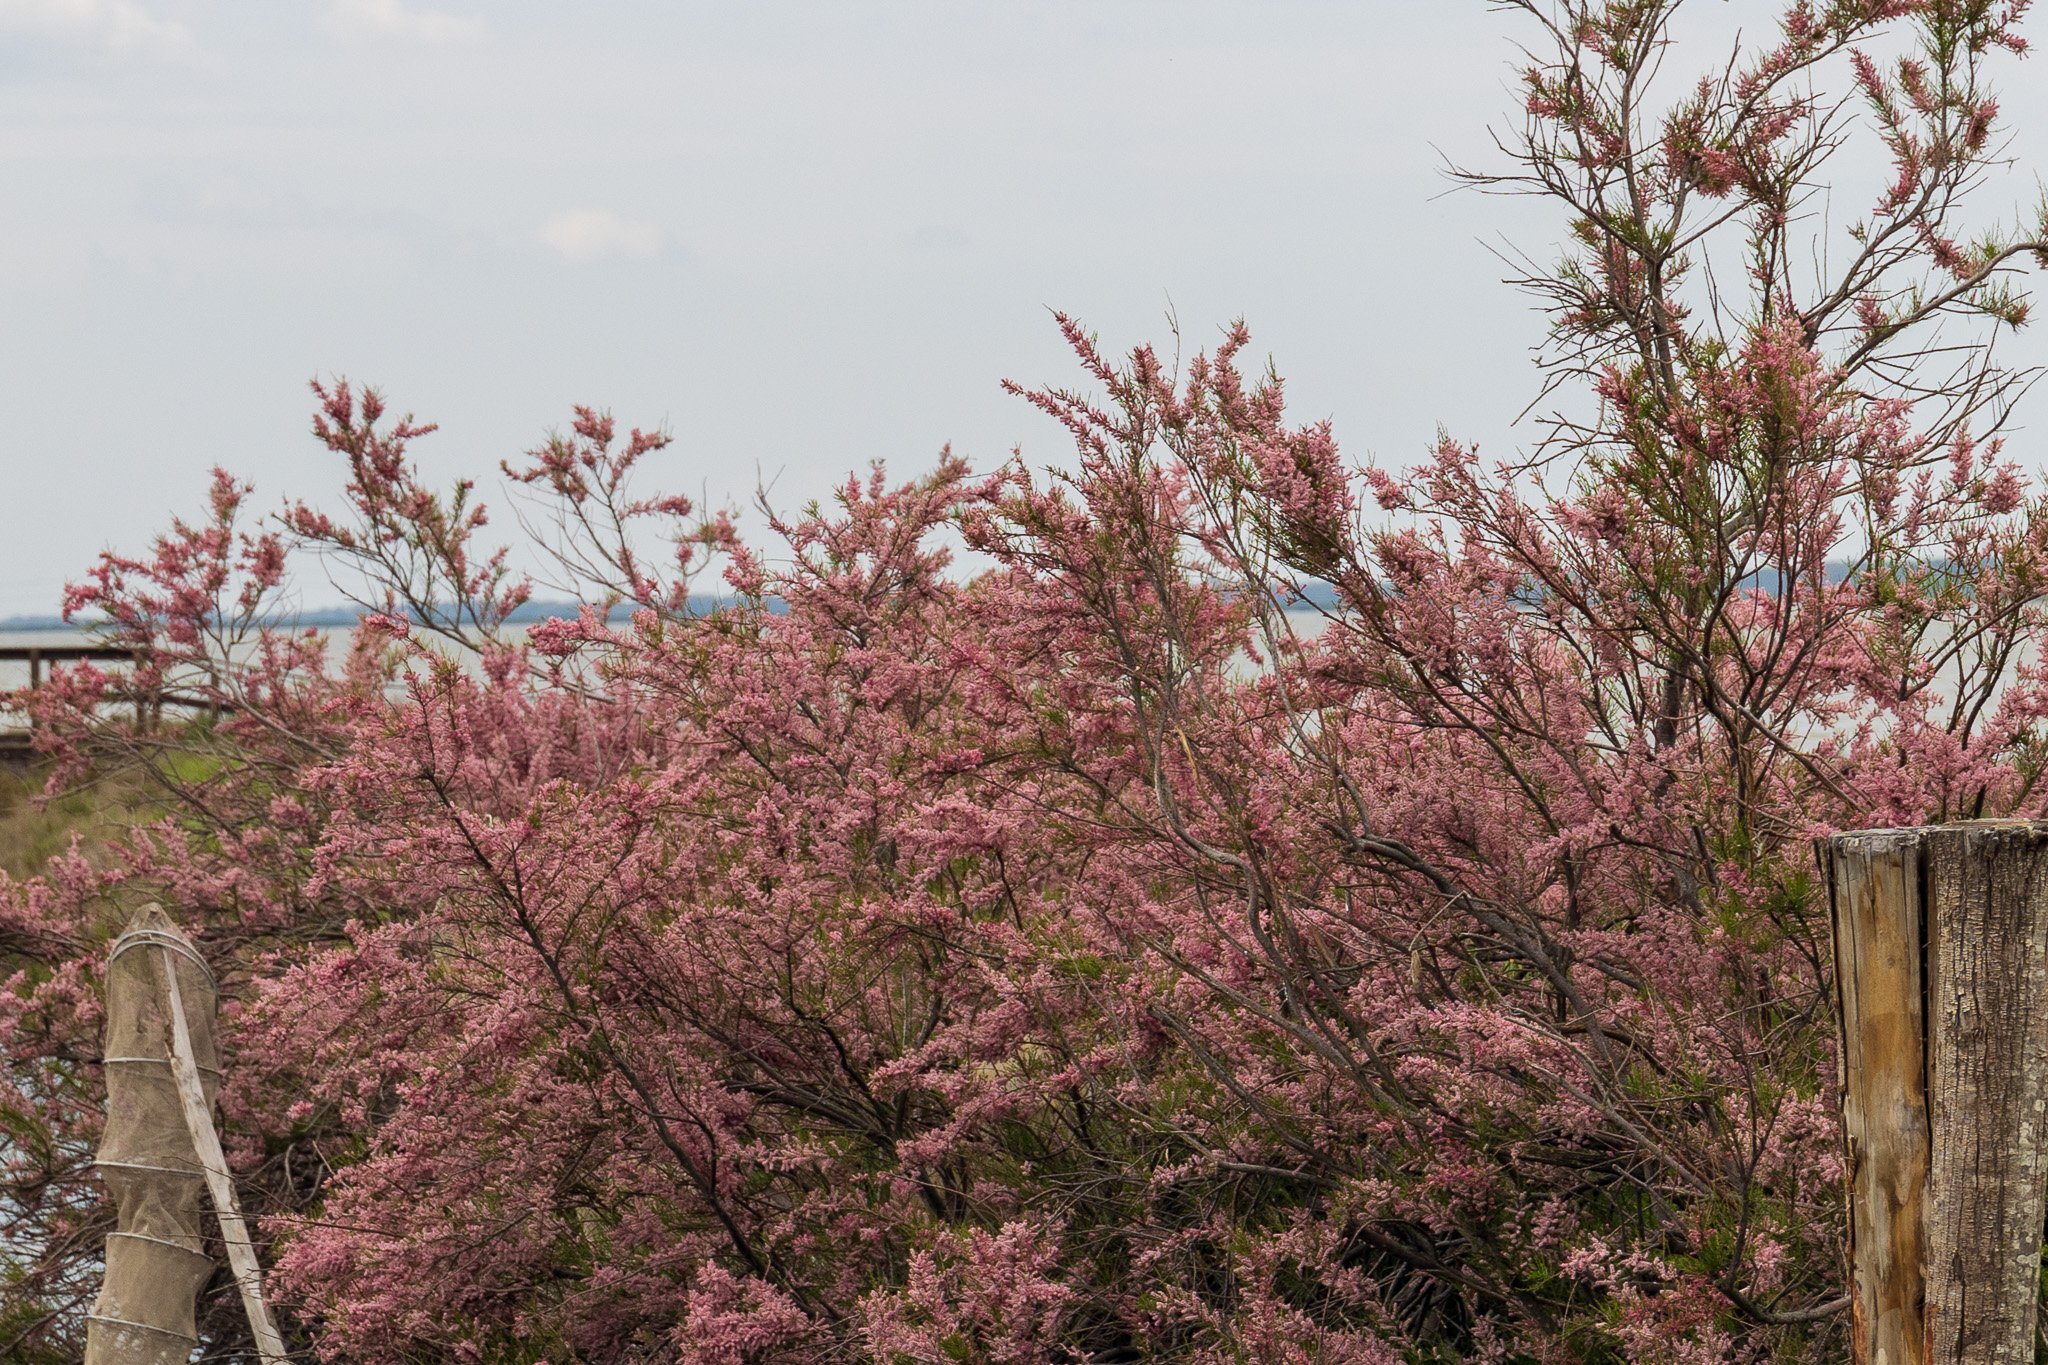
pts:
[159, 1150]
[1941, 972]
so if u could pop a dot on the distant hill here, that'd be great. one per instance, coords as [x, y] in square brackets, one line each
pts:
[348, 615]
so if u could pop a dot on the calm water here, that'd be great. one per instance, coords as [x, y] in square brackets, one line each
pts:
[14, 674]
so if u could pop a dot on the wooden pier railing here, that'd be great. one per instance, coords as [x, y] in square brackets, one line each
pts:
[16, 743]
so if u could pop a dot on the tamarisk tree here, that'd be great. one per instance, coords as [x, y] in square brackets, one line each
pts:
[1077, 958]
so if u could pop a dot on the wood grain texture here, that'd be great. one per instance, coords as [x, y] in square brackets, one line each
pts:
[1987, 970]
[1875, 879]
[220, 1183]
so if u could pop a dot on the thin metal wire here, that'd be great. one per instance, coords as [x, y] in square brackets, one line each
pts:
[141, 1327]
[160, 1241]
[170, 940]
[157, 1061]
[194, 1170]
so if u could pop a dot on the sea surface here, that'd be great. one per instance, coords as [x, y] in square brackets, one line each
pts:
[15, 673]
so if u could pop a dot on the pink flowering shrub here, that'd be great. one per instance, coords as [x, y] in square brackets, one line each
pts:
[1078, 959]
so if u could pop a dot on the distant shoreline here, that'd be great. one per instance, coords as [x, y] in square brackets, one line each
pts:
[1318, 596]
[526, 614]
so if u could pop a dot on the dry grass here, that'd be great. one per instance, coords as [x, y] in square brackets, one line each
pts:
[32, 830]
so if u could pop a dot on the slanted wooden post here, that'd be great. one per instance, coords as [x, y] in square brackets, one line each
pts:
[1941, 970]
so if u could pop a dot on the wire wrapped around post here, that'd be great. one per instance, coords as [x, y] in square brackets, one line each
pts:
[160, 1151]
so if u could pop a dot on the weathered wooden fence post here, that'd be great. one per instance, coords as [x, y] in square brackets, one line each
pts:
[158, 1152]
[1941, 968]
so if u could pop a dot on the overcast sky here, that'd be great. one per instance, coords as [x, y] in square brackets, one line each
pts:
[801, 236]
